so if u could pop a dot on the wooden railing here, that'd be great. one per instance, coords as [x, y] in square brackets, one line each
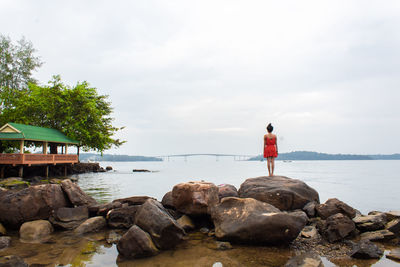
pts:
[33, 159]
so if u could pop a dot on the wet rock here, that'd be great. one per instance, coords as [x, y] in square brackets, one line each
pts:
[186, 223]
[366, 250]
[309, 232]
[103, 209]
[76, 195]
[135, 200]
[93, 224]
[204, 230]
[12, 261]
[167, 200]
[14, 183]
[3, 230]
[394, 254]
[309, 209]
[394, 226]
[109, 168]
[227, 190]
[219, 245]
[5, 242]
[337, 227]
[247, 220]
[33, 203]
[370, 222]
[69, 218]
[308, 259]
[333, 206]
[136, 243]
[282, 192]
[35, 231]
[380, 235]
[123, 217]
[163, 229]
[194, 198]
[113, 237]
[391, 215]
[140, 170]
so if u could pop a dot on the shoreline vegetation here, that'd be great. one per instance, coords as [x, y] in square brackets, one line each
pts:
[295, 155]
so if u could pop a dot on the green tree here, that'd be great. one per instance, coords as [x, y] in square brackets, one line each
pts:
[79, 112]
[17, 62]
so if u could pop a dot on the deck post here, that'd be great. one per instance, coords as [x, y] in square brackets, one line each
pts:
[66, 148]
[2, 172]
[45, 147]
[21, 147]
[21, 171]
[46, 171]
[65, 170]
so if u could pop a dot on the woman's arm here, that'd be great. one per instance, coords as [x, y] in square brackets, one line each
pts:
[276, 144]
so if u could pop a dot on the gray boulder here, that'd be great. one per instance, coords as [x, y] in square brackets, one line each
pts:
[227, 190]
[337, 227]
[370, 222]
[309, 209]
[136, 243]
[93, 224]
[123, 217]
[167, 201]
[76, 195]
[69, 218]
[5, 242]
[163, 229]
[333, 206]
[366, 250]
[35, 231]
[282, 192]
[380, 235]
[247, 220]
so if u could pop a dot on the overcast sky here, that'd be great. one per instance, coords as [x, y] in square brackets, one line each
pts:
[208, 76]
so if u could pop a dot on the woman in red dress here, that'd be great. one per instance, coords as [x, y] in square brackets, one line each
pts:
[270, 149]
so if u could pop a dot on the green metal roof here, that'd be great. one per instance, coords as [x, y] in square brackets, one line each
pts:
[35, 133]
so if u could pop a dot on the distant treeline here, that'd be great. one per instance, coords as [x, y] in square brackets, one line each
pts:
[307, 155]
[109, 157]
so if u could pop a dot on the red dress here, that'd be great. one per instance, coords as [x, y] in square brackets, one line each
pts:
[270, 148]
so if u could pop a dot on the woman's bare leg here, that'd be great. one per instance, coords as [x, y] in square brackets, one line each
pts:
[272, 166]
[269, 166]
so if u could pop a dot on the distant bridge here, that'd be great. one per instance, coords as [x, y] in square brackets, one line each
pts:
[217, 156]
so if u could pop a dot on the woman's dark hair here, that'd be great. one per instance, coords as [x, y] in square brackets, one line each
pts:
[270, 128]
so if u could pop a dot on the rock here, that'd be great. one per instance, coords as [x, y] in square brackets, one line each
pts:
[370, 222]
[3, 230]
[309, 232]
[76, 195]
[394, 254]
[282, 192]
[333, 206]
[380, 235]
[136, 243]
[136, 200]
[33, 203]
[194, 198]
[12, 261]
[391, 215]
[140, 170]
[309, 209]
[109, 168]
[123, 217]
[167, 200]
[218, 245]
[113, 237]
[247, 220]
[308, 259]
[14, 183]
[204, 230]
[366, 250]
[5, 242]
[103, 209]
[69, 218]
[186, 223]
[35, 231]
[337, 227]
[93, 224]
[227, 190]
[163, 229]
[394, 226]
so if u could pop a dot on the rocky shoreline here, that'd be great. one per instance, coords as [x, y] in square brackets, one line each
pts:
[267, 211]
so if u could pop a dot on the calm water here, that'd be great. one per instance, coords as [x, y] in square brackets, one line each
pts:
[365, 185]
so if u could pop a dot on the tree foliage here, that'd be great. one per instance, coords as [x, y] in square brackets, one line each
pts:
[17, 62]
[79, 112]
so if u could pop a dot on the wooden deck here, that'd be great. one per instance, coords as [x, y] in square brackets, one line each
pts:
[37, 159]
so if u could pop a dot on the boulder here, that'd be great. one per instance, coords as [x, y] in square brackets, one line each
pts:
[136, 243]
[366, 250]
[93, 224]
[247, 220]
[186, 223]
[163, 229]
[333, 206]
[394, 254]
[167, 200]
[15, 183]
[33, 203]
[109, 168]
[103, 209]
[3, 230]
[380, 235]
[35, 231]
[5, 242]
[309, 232]
[308, 259]
[282, 192]
[219, 245]
[69, 218]
[227, 190]
[12, 261]
[337, 227]
[194, 198]
[394, 226]
[391, 215]
[123, 217]
[76, 195]
[309, 209]
[370, 222]
[135, 200]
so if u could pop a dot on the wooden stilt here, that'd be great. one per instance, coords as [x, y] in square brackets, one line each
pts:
[65, 170]
[2, 172]
[46, 172]
[21, 171]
